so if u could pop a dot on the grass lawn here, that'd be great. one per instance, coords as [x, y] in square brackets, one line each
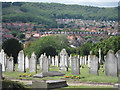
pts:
[87, 87]
[84, 75]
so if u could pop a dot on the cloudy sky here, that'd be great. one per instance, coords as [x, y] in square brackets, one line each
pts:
[99, 3]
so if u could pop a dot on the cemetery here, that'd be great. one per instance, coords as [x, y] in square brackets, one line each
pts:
[63, 70]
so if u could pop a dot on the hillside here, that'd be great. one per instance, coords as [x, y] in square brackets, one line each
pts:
[46, 13]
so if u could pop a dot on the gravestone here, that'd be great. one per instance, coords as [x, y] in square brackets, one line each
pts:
[2, 57]
[89, 60]
[78, 56]
[45, 64]
[111, 64]
[63, 60]
[21, 61]
[10, 64]
[53, 61]
[0, 76]
[118, 58]
[80, 60]
[40, 61]
[90, 52]
[70, 60]
[85, 60]
[26, 62]
[5, 60]
[56, 61]
[33, 64]
[99, 55]
[0, 71]
[49, 59]
[75, 65]
[93, 65]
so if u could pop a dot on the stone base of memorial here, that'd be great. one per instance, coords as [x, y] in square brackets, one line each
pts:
[48, 74]
[117, 86]
[50, 84]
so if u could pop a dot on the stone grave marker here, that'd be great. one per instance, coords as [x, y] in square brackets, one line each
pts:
[21, 61]
[10, 64]
[0, 76]
[111, 64]
[99, 55]
[2, 56]
[26, 62]
[0, 71]
[89, 60]
[40, 61]
[81, 60]
[5, 60]
[85, 60]
[63, 60]
[93, 65]
[49, 59]
[75, 65]
[45, 65]
[33, 64]
[53, 61]
[118, 58]
[70, 60]
[56, 61]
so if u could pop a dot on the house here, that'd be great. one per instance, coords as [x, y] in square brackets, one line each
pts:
[36, 35]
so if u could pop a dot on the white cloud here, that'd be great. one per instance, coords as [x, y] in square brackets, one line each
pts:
[71, 1]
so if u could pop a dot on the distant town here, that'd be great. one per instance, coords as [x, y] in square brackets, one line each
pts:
[78, 30]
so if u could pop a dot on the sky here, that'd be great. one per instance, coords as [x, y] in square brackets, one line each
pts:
[98, 3]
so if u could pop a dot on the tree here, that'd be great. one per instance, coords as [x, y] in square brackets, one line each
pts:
[21, 36]
[12, 47]
[51, 45]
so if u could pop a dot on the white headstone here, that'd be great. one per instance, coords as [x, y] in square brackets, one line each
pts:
[63, 60]
[53, 61]
[41, 61]
[45, 63]
[93, 65]
[89, 58]
[56, 61]
[111, 64]
[75, 68]
[33, 63]
[2, 56]
[21, 61]
[85, 60]
[99, 55]
[26, 62]
[70, 60]
[10, 64]
[118, 58]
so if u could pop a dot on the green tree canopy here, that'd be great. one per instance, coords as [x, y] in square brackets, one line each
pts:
[51, 45]
[12, 47]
